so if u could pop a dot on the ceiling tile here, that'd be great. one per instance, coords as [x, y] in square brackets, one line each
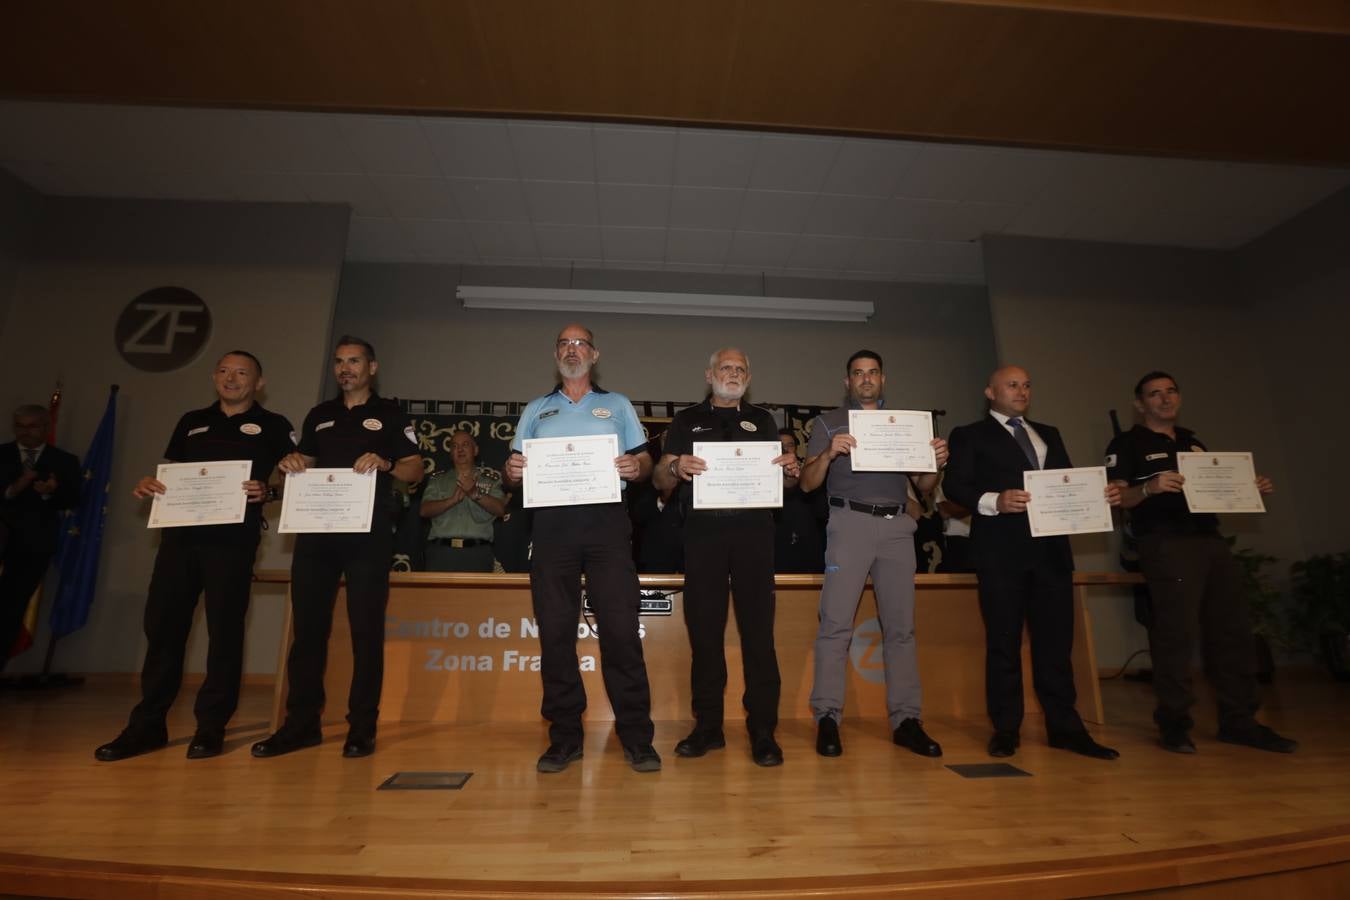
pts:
[490, 200]
[565, 262]
[823, 252]
[942, 220]
[414, 197]
[389, 145]
[633, 204]
[504, 239]
[793, 163]
[562, 202]
[779, 211]
[714, 158]
[634, 155]
[267, 187]
[869, 168]
[709, 248]
[440, 241]
[357, 191]
[634, 244]
[377, 240]
[572, 242]
[768, 251]
[553, 152]
[694, 207]
[840, 214]
[295, 142]
[471, 148]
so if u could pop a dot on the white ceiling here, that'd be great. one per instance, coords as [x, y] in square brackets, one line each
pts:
[456, 190]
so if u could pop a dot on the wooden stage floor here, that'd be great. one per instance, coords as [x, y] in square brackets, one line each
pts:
[876, 822]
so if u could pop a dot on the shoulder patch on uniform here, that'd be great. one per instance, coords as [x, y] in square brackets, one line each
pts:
[549, 412]
[372, 424]
[601, 412]
[1110, 460]
[322, 425]
[749, 426]
[251, 428]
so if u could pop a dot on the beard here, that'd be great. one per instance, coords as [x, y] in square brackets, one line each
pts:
[724, 393]
[573, 370]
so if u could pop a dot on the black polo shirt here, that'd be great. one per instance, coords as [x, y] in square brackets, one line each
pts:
[337, 436]
[1136, 456]
[706, 422]
[206, 435]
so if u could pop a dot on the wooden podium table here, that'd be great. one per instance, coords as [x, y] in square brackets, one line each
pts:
[461, 648]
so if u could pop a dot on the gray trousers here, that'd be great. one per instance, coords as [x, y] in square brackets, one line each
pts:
[859, 544]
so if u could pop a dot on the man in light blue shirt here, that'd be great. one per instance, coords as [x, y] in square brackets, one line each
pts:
[595, 540]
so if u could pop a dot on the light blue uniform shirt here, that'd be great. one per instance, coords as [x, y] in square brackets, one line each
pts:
[598, 412]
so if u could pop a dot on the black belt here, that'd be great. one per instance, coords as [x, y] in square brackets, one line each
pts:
[871, 509]
[464, 543]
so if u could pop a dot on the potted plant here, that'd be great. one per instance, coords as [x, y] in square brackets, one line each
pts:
[1269, 629]
[1320, 590]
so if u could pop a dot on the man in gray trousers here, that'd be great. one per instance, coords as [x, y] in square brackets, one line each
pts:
[869, 533]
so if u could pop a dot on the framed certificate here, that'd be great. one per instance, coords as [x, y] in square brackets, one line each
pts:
[1220, 483]
[739, 475]
[568, 471]
[201, 493]
[327, 501]
[1067, 501]
[892, 440]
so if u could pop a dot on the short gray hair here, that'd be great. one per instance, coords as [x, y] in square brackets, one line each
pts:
[712, 360]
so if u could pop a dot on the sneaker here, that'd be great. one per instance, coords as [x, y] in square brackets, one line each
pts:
[558, 757]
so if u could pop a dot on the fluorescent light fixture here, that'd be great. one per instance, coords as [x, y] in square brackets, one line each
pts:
[662, 304]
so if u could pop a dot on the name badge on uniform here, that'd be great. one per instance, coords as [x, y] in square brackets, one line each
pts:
[1152, 456]
[748, 426]
[251, 428]
[192, 431]
[601, 413]
[322, 425]
[372, 424]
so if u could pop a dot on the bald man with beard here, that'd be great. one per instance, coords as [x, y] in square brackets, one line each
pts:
[1022, 580]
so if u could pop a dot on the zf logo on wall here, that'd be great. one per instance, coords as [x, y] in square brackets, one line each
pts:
[163, 329]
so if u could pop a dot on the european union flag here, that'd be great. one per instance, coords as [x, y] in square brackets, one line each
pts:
[81, 537]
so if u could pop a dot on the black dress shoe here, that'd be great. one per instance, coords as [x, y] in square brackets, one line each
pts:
[131, 743]
[1259, 736]
[642, 757]
[558, 757]
[700, 741]
[764, 750]
[1176, 739]
[358, 745]
[206, 744]
[912, 737]
[1003, 743]
[1082, 743]
[286, 741]
[827, 737]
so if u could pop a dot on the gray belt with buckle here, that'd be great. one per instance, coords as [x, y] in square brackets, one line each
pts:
[888, 512]
[462, 543]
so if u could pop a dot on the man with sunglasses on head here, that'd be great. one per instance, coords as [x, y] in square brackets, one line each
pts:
[594, 540]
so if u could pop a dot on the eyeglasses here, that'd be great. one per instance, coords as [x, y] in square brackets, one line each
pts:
[564, 343]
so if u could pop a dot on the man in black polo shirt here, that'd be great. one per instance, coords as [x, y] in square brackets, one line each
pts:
[721, 544]
[215, 559]
[360, 429]
[1196, 585]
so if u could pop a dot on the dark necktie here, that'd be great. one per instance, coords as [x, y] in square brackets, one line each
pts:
[1024, 441]
[30, 457]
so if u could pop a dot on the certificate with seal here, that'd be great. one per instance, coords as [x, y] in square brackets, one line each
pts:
[892, 440]
[1220, 483]
[739, 475]
[201, 493]
[327, 501]
[568, 471]
[1067, 501]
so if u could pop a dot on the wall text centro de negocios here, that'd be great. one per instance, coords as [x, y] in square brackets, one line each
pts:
[459, 645]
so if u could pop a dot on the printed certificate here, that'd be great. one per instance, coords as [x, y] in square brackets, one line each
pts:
[1220, 483]
[892, 440]
[1067, 501]
[739, 475]
[568, 471]
[327, 501]
[201, 493]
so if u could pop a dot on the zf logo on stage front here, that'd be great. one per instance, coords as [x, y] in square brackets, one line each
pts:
[163, 329]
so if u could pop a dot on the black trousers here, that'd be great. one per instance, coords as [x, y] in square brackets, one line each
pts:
[1039, 596]
[740, 549]
[594, 540]
[184, 569]
[320, 561]
[23, 572]
[1197, 589]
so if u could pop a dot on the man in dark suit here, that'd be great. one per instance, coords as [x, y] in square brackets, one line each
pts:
[39, 482]
[1022, 579]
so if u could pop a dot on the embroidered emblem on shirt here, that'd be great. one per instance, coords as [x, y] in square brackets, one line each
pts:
[601, 413]
[551, 412]
[1110, 460]
[322, 425]
[372, 424]
[697, 429]
[748, 426]
[251, 428]
[193, 431]
[1153, 456]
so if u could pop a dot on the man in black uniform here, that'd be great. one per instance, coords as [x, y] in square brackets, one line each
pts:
[37, 483]
[363, 431]
[1023, 580]
[1195, 583]
[721, 544]
[215, 559]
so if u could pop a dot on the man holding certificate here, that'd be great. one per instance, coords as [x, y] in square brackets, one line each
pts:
[1024, 579]
[726, 459]
[360, 436]
[573, 449]
[204, 550]
[1196, 585]
[871, 531]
